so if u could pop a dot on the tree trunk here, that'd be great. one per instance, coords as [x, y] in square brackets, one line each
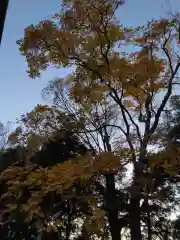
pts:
[68, 225]
[166, 235]
[50, 235]
[135, 219]
[149, 226]
[135, 211]
[111, 197]
[111, 207]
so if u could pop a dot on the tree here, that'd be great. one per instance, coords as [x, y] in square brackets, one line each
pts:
[54, 151]
[87, 35]
[31, 125]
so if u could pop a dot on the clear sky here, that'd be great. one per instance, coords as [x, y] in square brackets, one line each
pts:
[19, 93]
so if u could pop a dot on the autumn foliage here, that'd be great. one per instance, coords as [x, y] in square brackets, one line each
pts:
[113, 102]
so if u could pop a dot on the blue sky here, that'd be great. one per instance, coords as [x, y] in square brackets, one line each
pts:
[19, 93]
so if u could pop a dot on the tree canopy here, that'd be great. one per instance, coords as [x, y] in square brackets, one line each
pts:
[112, 121]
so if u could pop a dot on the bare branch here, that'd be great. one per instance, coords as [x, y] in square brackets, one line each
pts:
[165, 100]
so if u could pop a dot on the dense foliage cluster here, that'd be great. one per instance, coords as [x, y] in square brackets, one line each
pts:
[103, 161]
